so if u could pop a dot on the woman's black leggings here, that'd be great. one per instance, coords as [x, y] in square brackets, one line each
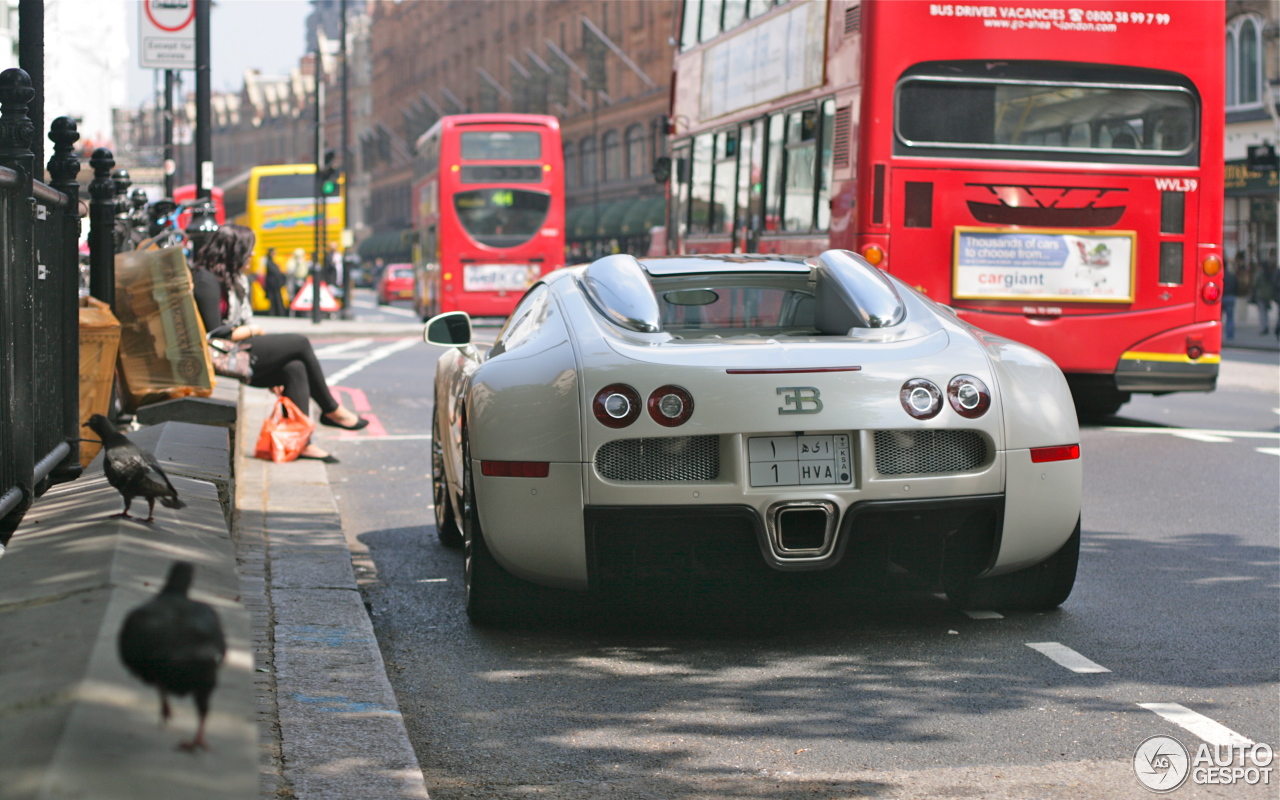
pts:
[286, 359]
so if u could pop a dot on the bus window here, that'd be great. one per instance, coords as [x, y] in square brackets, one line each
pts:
[824, 166]
[289, 187]
[724, 183]
[797, 204]
[501, 145]
[501, 217]
[773, 174]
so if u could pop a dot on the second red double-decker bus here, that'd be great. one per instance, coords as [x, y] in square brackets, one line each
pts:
[488, 211]
[1050, 169]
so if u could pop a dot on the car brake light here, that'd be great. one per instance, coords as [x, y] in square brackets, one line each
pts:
[616, 405]
[1065, 452]
[922, 399]
[515, 469]
[670, 406]
[1211, 292]
[968, 396]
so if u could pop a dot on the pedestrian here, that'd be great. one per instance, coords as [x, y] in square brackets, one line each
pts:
[274, 282]
[221, 289]
[1230, 288]
[1263, 293]
[298, 269]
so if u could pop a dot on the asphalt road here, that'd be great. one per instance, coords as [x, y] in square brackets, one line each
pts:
[885, 694]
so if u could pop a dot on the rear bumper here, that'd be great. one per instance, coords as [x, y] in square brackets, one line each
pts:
[1140, 372]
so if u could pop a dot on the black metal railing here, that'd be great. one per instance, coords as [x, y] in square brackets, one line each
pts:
[39, 307]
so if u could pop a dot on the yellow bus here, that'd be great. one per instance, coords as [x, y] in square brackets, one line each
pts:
[278, 203]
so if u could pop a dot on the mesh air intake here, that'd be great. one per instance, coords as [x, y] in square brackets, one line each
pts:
[671, 458]
[929, 452]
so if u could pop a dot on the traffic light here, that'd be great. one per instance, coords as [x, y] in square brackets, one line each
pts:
[327, 175]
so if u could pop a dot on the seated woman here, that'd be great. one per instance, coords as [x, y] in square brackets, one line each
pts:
[221, 290]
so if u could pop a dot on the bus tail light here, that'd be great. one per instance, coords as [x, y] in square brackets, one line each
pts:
[1211, 292]
[515, 469]
[873, 254]
[616, 405]
[1212, 265]
[1066, 452]
[670, 406]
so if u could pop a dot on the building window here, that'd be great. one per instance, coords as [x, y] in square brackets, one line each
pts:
[587, 162]
[636, 165]
[1244, 62]
[570, 165]
[612, 152]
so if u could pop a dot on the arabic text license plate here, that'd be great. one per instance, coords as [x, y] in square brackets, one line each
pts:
[800, 460]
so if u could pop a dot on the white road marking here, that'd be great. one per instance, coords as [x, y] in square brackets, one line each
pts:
[391, 437]
[1212, 732]
[434, 580]
[341, 347]
[1202, 435]
[404, 312]
[1225, 579]
[1067, 657]
[1270, 451]
[372, 358]
[984, 615]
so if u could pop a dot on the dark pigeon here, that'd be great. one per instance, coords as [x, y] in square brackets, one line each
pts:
[175, 644]
[133, 471]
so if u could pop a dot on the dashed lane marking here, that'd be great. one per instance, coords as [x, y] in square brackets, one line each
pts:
[1212, 732]
[341, 349]
[1067, 657]
[984, 615]
[389, 437]
[1201, 435]
[1270, 451]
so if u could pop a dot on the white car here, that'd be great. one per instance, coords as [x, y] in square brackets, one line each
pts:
[702, 418]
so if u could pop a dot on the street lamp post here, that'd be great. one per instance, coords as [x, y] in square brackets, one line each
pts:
[204, 222]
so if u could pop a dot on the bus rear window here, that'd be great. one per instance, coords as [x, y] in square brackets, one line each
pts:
[501, 146]
[501, 217]
[1034, 114]
[288, 187]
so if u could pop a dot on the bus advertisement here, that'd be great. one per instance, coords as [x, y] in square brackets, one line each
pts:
[278, 202]
[488, 211]
[1050, 170]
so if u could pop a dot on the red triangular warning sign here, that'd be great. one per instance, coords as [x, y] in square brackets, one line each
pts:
[302, 300]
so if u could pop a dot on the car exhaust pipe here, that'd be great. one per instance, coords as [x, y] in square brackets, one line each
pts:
[802, 533]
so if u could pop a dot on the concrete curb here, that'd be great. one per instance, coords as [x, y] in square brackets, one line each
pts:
[341, 734]
[73, 722]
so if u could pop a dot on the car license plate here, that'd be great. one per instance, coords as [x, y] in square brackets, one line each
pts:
[800, 460]
[495, 278]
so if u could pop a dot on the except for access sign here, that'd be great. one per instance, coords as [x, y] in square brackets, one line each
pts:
[1044, 264]
[166, 34]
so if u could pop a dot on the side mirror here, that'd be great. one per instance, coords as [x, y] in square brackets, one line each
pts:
[662, 169]
[452, 329]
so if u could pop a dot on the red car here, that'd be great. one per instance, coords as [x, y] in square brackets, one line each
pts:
[395, 283]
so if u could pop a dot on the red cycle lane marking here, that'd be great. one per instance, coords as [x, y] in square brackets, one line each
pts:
[360, 404]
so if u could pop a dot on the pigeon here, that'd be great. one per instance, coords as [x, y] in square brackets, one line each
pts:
[175, 644]
[133, 471]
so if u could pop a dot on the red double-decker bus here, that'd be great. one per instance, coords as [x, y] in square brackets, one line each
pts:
[1052, 170]
[488, 211]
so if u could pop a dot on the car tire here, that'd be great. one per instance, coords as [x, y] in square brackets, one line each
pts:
[1042, 587]
[382, 301]
[1094, 405]
[495, 597]
[446, 521]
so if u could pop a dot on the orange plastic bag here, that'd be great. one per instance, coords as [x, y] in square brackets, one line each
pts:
[285, 433]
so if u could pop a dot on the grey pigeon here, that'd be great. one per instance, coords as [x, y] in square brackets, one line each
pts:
[133, 471]
[175, 644]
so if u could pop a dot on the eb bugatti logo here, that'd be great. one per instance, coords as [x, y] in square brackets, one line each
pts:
[805, 399]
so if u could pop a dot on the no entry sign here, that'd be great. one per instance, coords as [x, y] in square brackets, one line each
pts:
[166, 38]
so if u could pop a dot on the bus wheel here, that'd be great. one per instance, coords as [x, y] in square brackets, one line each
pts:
[1098, 404]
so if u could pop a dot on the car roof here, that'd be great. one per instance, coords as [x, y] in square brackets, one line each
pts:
[726, 262]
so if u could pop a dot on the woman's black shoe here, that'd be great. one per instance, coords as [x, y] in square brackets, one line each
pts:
[328, 459]
[360, 423]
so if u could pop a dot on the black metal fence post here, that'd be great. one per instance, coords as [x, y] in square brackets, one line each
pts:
[102, 213]
[63, 168]
[17, 308]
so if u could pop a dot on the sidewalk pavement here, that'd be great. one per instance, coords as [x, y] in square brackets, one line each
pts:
[1248, 327]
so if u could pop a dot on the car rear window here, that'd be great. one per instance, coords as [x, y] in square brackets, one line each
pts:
[734, 303]
[402, 272]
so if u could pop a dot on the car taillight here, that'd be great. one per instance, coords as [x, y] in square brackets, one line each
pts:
[1211, 292]
[921, 398]
[616, 405]
[873, 254]
[670, 406]
[968, 396]
[1066, 452]
[515, 469]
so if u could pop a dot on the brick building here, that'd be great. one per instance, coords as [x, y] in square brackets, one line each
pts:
[438, 57]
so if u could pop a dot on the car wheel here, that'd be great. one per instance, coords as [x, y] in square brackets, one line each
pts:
[494, 596]
[446, 523]
[382, 301]
[1042, 587]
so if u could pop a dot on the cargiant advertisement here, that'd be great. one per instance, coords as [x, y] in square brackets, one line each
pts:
[1044, 264]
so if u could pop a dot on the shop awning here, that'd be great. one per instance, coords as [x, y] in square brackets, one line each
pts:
[632, 216]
